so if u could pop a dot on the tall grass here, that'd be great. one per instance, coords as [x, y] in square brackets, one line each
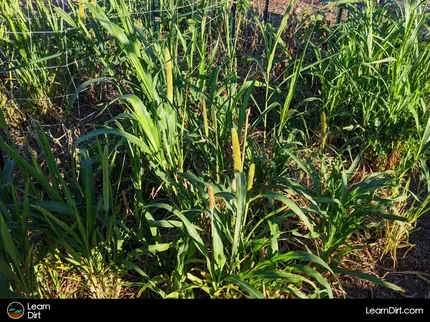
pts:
[375, 81]
[34, 47]
[375, 85]
[199, 189]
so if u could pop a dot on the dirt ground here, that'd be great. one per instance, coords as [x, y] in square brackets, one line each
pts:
[278, 7]
[412, 272]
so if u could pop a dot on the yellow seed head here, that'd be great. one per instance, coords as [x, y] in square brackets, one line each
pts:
[323, 128]
[251, 174]
[211, 196]
[205, 118]
[81, 10]
[236, 151]
[169, 74]
[323, 123]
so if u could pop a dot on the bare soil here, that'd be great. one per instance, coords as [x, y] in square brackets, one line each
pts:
[411, 273]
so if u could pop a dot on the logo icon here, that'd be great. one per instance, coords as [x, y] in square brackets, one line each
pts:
[15, 310]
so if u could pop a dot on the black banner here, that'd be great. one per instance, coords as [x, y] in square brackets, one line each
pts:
[129, 310]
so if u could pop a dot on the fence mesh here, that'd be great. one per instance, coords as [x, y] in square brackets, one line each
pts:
[44, 58]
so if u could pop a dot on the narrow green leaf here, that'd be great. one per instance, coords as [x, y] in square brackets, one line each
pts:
[240, 212]
[254, 293]
[292, 205]
[370, 278]
[106, 179]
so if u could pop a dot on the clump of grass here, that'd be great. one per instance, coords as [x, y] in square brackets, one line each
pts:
[373, 86]
[156, 194]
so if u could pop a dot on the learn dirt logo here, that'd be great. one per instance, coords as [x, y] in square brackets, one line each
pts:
[15, 310]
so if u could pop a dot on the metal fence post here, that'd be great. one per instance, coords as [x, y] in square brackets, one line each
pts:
[233, 20]
[266, 11]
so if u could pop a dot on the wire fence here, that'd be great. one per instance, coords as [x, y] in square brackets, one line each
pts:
[41, 43]
[42, 48]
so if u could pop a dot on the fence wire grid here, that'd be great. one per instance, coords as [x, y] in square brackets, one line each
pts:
[40, 45]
